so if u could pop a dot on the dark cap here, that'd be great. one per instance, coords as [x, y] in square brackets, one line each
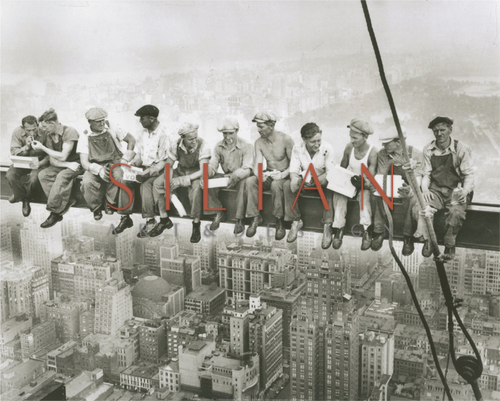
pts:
[438, 120]
[148, 110]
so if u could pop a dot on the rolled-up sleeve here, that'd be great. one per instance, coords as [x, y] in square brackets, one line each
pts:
[295, 161]
[205, 151]
[17, 146]
[426, 162]
[466, 167]
[214, 161]
[172, 151]
[247, 157]
[163, 146]
[418, 156]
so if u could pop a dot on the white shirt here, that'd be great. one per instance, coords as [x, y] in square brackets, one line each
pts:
[117, 133]
[153, 147]
[322, 160]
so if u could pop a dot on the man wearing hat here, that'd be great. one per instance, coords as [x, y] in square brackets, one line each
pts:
[235, 156]
[392, 154]
[191, 152]
[151, 152]
[276, 148]
[358, 151]
[57, 179]
[20, 145]
[447, 183]
[313, 150]
[99, 150]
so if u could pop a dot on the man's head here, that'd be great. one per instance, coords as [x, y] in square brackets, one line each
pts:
[390, 140]
[229, 128]
[148, 115]
[441, 128]
[311, 135]
[265, 123]
[30, 125]
[359, 131]
[49, 121]
[97, 119]
[189, 134]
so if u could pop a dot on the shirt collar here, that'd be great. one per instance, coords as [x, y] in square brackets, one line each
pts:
[152, 133]
[304, 149]
[183, 147]
[450, 146]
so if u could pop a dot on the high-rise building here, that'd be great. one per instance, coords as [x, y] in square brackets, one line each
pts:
[152, 341]
[412, 262]
[328, 325]
[16, 290]
[113, 307]
[305, 244]
[5, 242]
[66, 316]
[38, 338]
[12, 221]
[40, 288]
[180, 269]
[245, 269]
[266, 340]
[39, 245]
[205, 250]
[376, 360]
[288, 302]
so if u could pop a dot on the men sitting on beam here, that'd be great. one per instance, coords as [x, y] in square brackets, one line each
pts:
[236, 158]
[191, 153]
[151, 148]
[276, 148]
[315, 152]
[392, 154]
[357, 152]
[447, 183]
[57, 179]
[21, 145]
[99, 150]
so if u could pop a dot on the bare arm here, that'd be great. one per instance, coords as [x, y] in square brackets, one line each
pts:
[259, 157]
[199, 173]
[345, 157]
[130, 139]
[67, 147]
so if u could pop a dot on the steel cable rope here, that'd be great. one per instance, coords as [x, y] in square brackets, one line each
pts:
[468, 367]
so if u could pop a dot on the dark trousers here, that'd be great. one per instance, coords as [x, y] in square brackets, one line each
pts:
[57, 183]
[147, 198]
[95, 189]
[195, 194]
[278, 196]
[247, 198]
[294, 215]
[23, 182]
[455, 214]
[380, 219]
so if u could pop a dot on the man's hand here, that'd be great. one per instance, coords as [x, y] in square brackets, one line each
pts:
[104, 173]
[462, 197]
[29, 140]
[175, 183]
[295, 184]
[143, 176]
[233, 180]
[356, 181]
[74, 166]
[412, 165]
[405, 191]
[37, 145]
[276, 175]
[428, 195]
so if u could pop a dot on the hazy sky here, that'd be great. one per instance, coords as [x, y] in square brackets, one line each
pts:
[60, 37]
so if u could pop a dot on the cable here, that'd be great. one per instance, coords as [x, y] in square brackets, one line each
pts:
[470, 368]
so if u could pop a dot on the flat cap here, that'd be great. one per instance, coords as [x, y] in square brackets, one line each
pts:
[360, 127]
[264, 117]
[390, 135]
[229, 125]
[438, 120]
[187, 128]
[148, 110]
[96, 113]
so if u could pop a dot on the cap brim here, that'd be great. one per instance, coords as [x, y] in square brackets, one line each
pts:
[257, 120]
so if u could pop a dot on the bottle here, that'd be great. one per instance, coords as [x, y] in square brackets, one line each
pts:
[456, 194]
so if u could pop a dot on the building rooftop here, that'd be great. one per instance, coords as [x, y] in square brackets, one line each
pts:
[15, 325]
[23, 370]
[147, 371]
[151, 287]
[204, 293]
[63, 348]
[225, 362]
[196, 346]
[79, 383]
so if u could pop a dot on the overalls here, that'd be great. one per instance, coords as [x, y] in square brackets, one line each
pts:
[379, 217]
[104, 151]
[188, 163]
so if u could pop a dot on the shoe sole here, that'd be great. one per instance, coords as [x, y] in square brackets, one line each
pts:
[52, 225]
